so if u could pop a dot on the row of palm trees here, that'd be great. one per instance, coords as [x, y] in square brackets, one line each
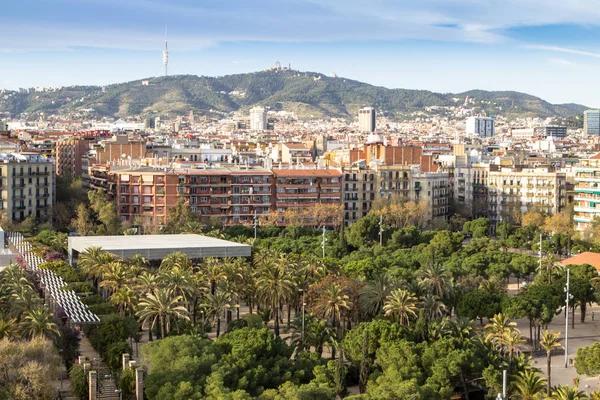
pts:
[22, 311]
[272, 283]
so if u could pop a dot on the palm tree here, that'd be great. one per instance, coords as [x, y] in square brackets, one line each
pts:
[549, 342]
[212, 269]
[124, 299]
[275, 286]
[331, 304]
[179, 280]
[145, 283]
[177, 259]
[161, 305]
[38, 323]
[437, 278]
[528, 385]
[216, 304]
[567, 393]
[93, 262]
[511, 342]
[400, 306]
[498, 326]
[373, 295]
[8, 329]
[434, 306]
[116, 275]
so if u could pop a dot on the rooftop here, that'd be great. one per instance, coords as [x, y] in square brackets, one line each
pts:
[156, 247]
[586, 257]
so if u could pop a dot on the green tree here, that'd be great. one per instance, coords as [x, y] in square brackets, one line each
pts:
[161, 305]
[528, 385]
[480, 304]
[401, 306]
[587, 360]
[549, 343]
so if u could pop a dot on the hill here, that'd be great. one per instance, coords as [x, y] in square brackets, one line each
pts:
[308, 94]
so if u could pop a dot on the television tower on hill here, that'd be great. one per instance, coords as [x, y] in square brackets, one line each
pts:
[166, 55]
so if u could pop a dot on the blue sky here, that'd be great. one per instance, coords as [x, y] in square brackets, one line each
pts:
[547, 48]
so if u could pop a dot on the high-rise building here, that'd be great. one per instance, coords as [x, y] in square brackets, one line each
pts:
[258, 119]
[69, 156]
[551, 131]
[366, 119]
[3, 126]
[591, 122]
[480, 127]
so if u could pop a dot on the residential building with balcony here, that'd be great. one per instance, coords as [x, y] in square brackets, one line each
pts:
[69, 155]
[27, 185]
[516, 190]
[359, 188]
[144, 195]
[299, 188]
[587, 192]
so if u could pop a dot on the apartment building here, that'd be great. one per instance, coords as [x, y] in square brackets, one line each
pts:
[411, 183]
[144, 195]
[27, 185]
[291, 153]
[299, 188]
[587, 192]
[69, 157]
[591, 122]
[119, 148]
[359, 188]
[519, 189]
[480, 127]
[366, 119]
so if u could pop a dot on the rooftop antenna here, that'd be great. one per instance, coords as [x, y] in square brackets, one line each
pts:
[166, 55]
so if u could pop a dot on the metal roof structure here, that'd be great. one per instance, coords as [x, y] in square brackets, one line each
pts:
[53, 285]
[157, 247]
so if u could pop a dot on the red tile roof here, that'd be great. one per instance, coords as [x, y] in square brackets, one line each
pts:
[586, 257]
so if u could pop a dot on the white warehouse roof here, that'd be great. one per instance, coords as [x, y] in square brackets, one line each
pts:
[157, 247]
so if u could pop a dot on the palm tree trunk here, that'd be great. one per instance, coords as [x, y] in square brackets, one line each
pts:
[276, 322]
[218, 325]
[531, 336]
[162, 327]
[549, 384]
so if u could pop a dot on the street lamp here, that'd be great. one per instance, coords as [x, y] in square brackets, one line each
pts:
[568, 296]
[381, 230]
[120, 393]
[255, 224]
[303, 306]
[202, 313]
[323, 242]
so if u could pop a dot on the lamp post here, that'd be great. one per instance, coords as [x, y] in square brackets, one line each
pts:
[568, 296]
[255, 224]
[303, 306]
[120, 393]
[323, 242]
[202, 313]
[381, 230]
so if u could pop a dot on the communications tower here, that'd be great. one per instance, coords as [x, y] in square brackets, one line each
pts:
[166, 55]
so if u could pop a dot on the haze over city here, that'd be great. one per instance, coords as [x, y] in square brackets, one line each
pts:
[443, 47]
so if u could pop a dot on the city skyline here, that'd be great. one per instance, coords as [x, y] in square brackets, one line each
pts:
[544, 49]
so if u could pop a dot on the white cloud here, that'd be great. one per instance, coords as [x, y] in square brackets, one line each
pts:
[563, 50]
[198, 24]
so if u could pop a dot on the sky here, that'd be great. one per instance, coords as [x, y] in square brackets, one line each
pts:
[548, 48]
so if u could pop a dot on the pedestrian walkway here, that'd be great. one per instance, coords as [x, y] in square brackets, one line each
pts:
[106, 382]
